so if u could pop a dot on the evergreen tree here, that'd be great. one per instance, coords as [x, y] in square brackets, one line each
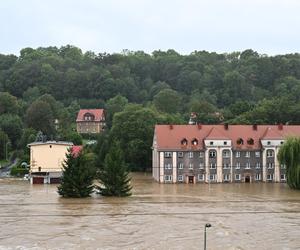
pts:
[78, 176]
[114, 176]
[289, 154]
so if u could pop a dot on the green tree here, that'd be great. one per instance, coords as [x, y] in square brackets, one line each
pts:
[8, 103]
[12, 126]
[4, 142]
[114, 177]
[39, 116]
[114, 105]
[78, 176]
[167, 101]
[289, 154]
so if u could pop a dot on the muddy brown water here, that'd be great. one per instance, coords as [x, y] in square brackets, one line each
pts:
[157, 216]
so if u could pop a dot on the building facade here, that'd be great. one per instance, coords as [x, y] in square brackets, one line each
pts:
[90, 121]
[46, 159]
[219, 153]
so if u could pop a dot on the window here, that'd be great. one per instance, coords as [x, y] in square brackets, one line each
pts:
[226, 177]
[257, 165]
[191, 166]
[180, 165]
[226, 154]
[168, 154]
[269, 177]
[257, 154]
[180, 177]
[247, 154]
[282, 177]
[180, 154]
[237, 154]
[50, 146]
[250, 141]
[211, 143]
[201, 154]
[168, 166]
[200, 177]
[240, 141]
[225, 142]
[201, 165]
[248, 165]
[212, 177]
[281, 142]
[270, 165]
[257, 177]
[269, 143]
[270, 153]
[282, 166]
[212, 165]
[237, 177]
[238, 165]
[226, 165]
[195, 142]
[184, 142]
[191, 155]
[168, 177]
[212, 154]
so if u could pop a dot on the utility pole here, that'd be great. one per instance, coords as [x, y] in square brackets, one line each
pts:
[206, 226]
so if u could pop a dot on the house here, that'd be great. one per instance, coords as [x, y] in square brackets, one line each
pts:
[90, 121]
[46, 159]
[219, 153]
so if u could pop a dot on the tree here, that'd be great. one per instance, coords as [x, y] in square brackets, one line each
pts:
[12, 126]
[167, 101]
[8, 103]
[289, 154]
[39, 116]
[114, 177]
[114, 105]
[78, 176]
[4, 141]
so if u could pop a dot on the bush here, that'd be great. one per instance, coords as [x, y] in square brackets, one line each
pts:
[18, 171]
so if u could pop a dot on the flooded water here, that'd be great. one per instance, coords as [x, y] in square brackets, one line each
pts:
[157, 216]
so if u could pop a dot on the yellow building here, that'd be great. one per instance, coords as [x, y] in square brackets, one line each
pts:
[46, 159]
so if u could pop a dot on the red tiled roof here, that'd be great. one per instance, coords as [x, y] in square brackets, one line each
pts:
[170, 138]
[76, 150]
[98, 113]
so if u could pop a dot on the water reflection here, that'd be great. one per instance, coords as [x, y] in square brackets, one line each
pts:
[157, 216]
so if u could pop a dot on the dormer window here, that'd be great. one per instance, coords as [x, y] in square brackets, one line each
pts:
[250, 141]
[88, 117]
[240, 141]
[211, 143]
[195, 142]
[184, 142]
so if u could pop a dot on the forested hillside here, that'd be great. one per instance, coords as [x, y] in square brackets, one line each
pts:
[138, 90]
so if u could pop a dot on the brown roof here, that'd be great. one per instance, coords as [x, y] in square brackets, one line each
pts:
[171, 136]
[98, 113]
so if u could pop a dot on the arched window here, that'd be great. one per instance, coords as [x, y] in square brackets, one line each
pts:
[184, 142]
[195, 142]
[250, 141]
[270, 153]
[212, 153]
[240, 141]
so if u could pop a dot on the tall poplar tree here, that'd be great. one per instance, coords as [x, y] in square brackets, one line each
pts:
[114, 177]
[289, 154]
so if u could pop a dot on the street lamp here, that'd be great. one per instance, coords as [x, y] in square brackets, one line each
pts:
[206, 226]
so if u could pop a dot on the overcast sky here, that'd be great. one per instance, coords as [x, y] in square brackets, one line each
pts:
[267, 26]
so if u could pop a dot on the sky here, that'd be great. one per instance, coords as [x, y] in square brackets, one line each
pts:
[266, 26]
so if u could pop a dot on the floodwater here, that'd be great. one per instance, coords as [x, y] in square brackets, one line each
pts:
[157, 216]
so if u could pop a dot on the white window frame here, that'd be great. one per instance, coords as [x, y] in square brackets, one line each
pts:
[270, 165]
[213, 166]
[248, 154]
[238, 165]
[201, 165]
[226, 177]
[269, 177]
[191, 166]
[257, 177]
[201, 154]
[239, 177]
[202, 177]
[284, 177]
[168, 154]
[180, 154]
[257, 154]
[238, 154]
[248, 166]
[270, 153]
[212, 154]
[180, 177]
[226, 165]
[257, 165]
[180, 165]
[226, 154]
[191, 155]
[168, 177]
[213, 177]
[282, 166]
[168, 165]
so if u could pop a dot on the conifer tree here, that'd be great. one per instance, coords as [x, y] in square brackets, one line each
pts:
[114, 176]
[289, 154]
[78, 176]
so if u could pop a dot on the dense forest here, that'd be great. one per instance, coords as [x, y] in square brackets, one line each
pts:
[43, 89]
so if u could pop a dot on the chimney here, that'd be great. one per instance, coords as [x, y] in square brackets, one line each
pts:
[199, 126]
[171, 126]
[226, 126]
[280, 126]
[254, 126]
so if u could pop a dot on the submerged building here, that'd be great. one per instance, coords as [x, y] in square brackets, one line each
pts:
[219, 153]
